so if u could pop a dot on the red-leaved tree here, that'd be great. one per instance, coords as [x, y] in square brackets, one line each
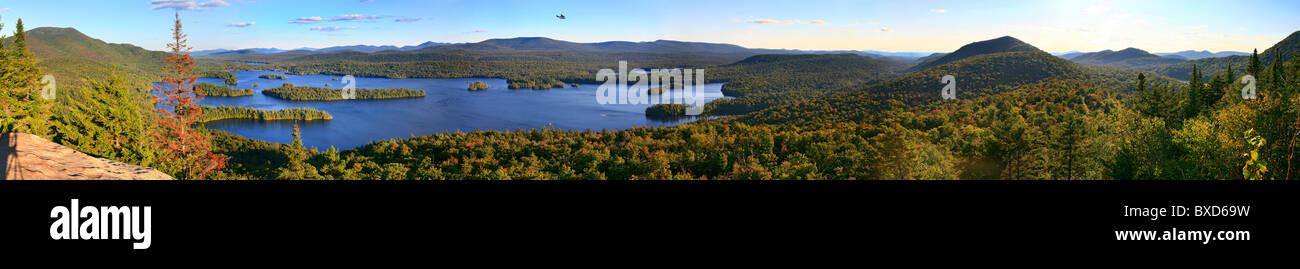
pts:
[186, 147]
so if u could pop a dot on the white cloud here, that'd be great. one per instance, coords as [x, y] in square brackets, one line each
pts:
[819, 23]
[407, 19]
[185, 4]
[214, 3]
[241, 24]
[886, 29]
[4, 9]
[357, 17]
[333, 28]
[344, 18]
[307, 20]
[771, 21]
[940, 11]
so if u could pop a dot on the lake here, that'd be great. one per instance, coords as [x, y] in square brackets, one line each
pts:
[447, 107]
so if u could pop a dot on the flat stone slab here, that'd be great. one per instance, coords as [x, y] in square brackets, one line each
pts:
[30, 157]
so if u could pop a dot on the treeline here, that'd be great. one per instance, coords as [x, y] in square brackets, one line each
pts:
[288, 91]
[209, 89]
[232, 112]
[272, 76]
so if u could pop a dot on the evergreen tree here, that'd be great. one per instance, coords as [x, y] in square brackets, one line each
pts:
[1142, 82]
[21, 106]
[1277, 82]
[97, 121]
[187, 146]
[1195, 87]
[1069, 134]
[298, 168]
[1254, 67]
[1232, 78]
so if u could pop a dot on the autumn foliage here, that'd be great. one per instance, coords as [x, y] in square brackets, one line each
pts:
[187, 148]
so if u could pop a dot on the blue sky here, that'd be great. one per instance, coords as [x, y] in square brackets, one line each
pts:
[1157, 26]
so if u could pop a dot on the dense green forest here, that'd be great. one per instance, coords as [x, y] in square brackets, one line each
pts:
[210, 89]
[288, 91]
[1020, 113]
[232, 112]
[271, 76]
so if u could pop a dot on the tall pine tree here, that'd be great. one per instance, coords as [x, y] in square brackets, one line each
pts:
[1254, 67]
[187, 145]
[21, 106]
[298, 168]
[1193, 105]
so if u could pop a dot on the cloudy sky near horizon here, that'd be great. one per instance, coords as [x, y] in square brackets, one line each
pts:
[921, 26]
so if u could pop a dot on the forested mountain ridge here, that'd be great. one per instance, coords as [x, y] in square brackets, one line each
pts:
[1110, 56]
[1286, 49]
[71, 56]
[765, 80]
[977, 76]
[996, 45]
[1130, 58]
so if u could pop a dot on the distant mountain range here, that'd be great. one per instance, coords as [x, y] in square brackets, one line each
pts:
[547, 44]
[357, 48]
[67, 48]
[1194, 55]
[1068, 55]
[1286, 49]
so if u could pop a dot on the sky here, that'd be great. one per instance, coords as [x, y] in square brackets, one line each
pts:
[903, 26]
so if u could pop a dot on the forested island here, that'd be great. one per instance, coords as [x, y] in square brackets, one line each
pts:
[229, 77]
[272, 76]
[290, 92]
[213, 90]
[666, 111]
[233, 112]
[536, 84]
[477, 86]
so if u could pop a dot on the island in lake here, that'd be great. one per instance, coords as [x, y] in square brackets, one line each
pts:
[478, 86]
[214, 90]
[211, 113]
[290, 92]
[272, 76]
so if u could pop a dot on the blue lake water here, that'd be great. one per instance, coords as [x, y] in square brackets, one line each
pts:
[447, 107]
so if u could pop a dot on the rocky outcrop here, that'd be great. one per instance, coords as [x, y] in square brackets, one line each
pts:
[30, 157]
